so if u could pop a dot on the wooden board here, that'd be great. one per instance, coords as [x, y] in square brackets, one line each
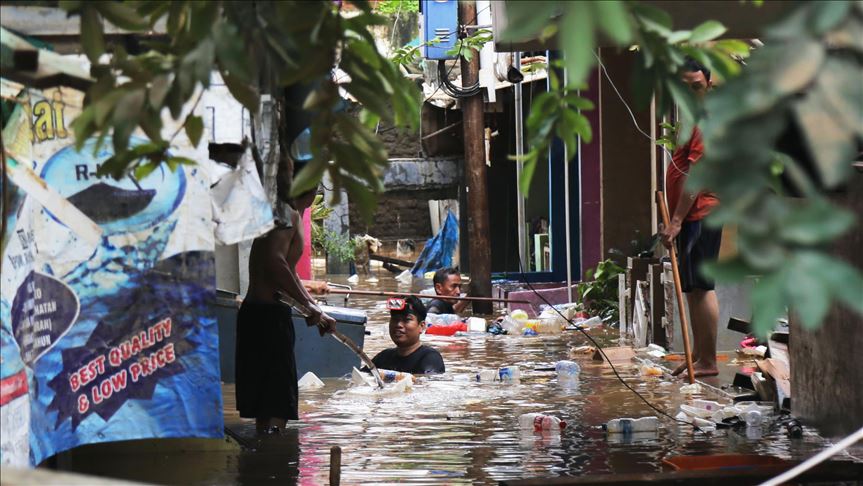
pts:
[779, 371]
[617, 355]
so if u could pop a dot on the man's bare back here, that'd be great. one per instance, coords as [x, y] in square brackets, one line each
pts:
[272, 254]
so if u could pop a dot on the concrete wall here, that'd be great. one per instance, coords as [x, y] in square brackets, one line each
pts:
[403, 210]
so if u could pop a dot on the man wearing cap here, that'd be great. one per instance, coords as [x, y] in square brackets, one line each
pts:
[407, 323]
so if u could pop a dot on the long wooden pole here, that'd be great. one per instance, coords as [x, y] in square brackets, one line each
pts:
[335, 466]
[478, 229]
[678, 289]
[381, 293]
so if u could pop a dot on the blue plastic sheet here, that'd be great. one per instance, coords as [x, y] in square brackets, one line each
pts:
[439, 250]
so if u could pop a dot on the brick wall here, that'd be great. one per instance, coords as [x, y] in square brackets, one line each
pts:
[401, 214]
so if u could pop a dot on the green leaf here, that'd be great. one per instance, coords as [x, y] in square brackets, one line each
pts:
[309, 177]
[83, 126]
[194, 129]
[707, 31]
[767, 303]
[525, 19]
[582, 127]
[145, 169]
[733, 46]
[654, 19]
[159, 89]
[245, 93]
[121, 15]
[92, 39]
[367, 53]
[578, 102]
[807, 294]
[817, 222]
[679, 36]
[174, 162]
[685, 101]
[578, 41]
[231, 52]
[827, 14]
[614, 20]
[530, 160]
[728, 271]
[362, 196]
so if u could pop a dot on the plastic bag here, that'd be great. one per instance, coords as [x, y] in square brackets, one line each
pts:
[241, 210]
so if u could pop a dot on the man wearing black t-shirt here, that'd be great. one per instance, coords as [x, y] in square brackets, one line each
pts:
[407, 322]
[447, 283]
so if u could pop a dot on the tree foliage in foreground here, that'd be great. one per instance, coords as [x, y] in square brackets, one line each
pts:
[251, 44]
[808, 75]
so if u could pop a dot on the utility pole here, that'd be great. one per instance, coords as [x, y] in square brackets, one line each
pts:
[479, 247]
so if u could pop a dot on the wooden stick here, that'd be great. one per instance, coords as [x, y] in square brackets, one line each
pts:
[423, 296]
[678, 289]
[393, 261]
[335, 465]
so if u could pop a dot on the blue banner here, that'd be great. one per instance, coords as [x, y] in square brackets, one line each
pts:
[108, 331]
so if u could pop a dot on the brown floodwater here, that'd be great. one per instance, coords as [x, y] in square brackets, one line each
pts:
[449, 430]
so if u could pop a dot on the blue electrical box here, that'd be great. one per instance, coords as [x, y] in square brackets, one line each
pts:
[440, 20]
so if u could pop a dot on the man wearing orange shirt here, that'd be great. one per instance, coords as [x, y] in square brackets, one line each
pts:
[696, 242]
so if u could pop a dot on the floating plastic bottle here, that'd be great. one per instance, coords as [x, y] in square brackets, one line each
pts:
[506, 374]
[509, 374]
[511, 326]
[486, 375]
[630, 425]
[433, 319]
[390, 376]
[567, 371]
[753, 418]
[540, 422]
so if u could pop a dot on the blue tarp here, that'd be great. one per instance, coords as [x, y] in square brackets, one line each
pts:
[439, 249]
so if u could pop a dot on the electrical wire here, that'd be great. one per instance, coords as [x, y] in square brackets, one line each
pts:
[579, 328]
[458, 55]
[602, 352]
[632, 115]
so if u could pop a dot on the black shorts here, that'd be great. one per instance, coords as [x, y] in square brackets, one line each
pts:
[696, 244]
[266, 367]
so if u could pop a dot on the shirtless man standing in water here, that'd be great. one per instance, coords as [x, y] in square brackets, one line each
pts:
[266, 366]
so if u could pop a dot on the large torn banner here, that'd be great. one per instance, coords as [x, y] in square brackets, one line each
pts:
[107, 327]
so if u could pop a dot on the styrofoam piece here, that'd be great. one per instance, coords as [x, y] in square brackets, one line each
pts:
[405, 277]
[692, 389]
[477, 324]
[309, 381]
[695, 411]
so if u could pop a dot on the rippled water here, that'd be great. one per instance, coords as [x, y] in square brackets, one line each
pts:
[449, 431]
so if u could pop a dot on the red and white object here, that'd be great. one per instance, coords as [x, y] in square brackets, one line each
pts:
[540, 422]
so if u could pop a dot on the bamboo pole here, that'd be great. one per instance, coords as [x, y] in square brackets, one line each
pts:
[678, 289]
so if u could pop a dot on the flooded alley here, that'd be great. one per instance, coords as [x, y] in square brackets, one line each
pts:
[452, 430]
